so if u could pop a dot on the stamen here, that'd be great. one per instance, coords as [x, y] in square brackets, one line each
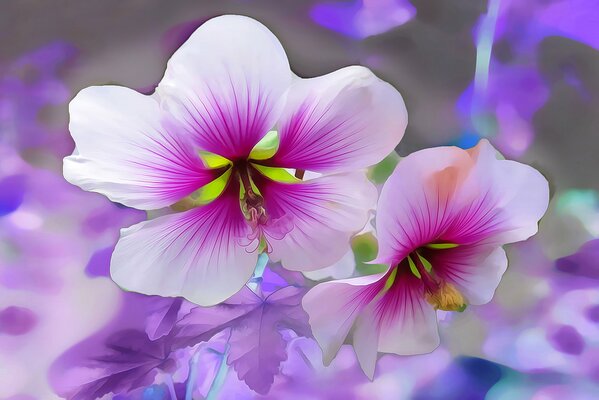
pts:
[413, 268]
[439, 293]
[441, 246]
[427, 265]
[446, 298]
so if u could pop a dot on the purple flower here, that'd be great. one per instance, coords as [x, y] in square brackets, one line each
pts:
[28, 86]
[442, 218]
[17, 320]
[363, 18]
[204, 143]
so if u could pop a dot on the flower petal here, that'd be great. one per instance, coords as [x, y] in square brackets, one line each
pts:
[226, 83]
[324, 213]
[126, 151]
[333, 307]
[475, 270]
[415, 204]
[342, 121]
[521, 194]
[407, 324]
[366, 341]
[458, 196]
[194, 254]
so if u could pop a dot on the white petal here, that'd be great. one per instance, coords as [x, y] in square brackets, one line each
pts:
[126, 150]
[366, 341]
[346, 120]
[194, 254]
[227, 83]
[333, 307]
[325, 213]
[478, 280]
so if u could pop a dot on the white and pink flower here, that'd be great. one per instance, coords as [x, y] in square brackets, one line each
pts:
[441, 220]
[214, 142]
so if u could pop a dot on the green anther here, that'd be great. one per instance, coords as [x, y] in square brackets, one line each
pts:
[462, 308]
[427, 265]
[413, 268]
[266, 147]
[442, 246]
[390, 280]
[276, 174]
[212, 190]
[212, 160]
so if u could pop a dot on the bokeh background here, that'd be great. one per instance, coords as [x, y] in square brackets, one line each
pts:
[524, 73]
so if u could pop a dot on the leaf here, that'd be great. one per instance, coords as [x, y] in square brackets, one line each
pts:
[130, 361]
[257, 347]
[122, 362]
[365, 248]
[163, 319]
[381, 171]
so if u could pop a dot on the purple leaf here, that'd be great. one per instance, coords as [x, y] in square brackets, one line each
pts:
[123, 361]
[257, 347]
[130, 361]
[163, 319]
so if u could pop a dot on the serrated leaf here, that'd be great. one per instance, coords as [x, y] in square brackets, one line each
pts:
[256, 345]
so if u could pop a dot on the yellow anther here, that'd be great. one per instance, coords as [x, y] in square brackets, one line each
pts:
[446, 298]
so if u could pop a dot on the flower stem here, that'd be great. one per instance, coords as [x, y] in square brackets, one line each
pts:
[256, 279]
[221, 374]
[193, 372]
[168, 380]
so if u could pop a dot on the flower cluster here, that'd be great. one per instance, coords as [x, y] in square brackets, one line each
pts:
[240, 161]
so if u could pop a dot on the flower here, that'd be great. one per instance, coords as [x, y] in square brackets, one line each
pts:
[204, 145]
[442, 218]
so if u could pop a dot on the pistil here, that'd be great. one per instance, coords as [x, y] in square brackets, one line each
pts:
[252, 202]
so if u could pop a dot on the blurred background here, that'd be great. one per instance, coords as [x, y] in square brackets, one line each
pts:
[524, 74]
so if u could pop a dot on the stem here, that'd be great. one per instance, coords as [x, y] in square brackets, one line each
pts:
[256, 279]
[219, 379]
[168, 380]
[193, 372]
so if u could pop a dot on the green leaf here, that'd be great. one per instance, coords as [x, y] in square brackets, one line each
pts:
[365, 248]
[381, 171]
[276, 174]
[441, 246]
[427, 265]
[266, 147]
[413, 268]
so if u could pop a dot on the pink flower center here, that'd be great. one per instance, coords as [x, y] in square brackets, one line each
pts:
[438, 292]
[252, 203]
[264, 226]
